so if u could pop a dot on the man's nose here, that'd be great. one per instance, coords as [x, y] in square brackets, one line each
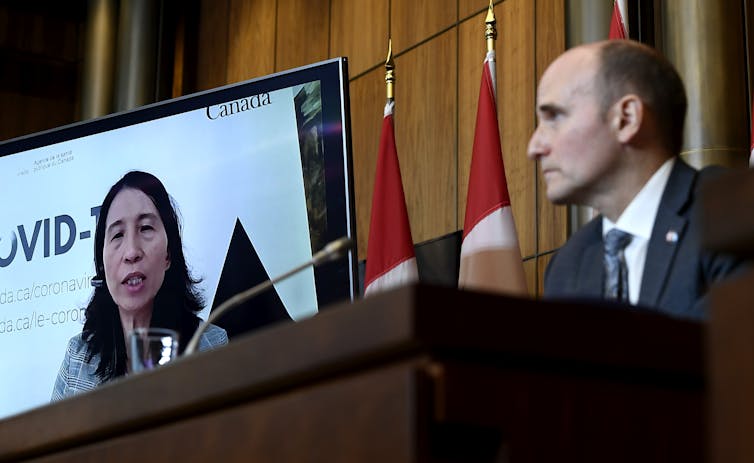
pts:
[537, 145]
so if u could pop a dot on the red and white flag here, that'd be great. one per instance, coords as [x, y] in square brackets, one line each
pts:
[391, 261]
[490, 255]
[618, 23]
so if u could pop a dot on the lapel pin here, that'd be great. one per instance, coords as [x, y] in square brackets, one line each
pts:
[671, 236]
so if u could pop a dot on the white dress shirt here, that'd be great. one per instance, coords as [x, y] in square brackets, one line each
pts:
[638, 219]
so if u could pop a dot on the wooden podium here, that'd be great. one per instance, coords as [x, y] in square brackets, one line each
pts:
[419, 374]
[728, 202]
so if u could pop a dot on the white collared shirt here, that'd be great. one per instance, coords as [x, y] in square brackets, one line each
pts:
[638, 219]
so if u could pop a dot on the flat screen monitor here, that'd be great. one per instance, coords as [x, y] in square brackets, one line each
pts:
[260, 173]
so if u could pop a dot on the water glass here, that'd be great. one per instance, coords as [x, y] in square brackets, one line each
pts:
[151, 347]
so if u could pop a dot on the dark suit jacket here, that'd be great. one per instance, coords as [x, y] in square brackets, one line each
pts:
[677, 274]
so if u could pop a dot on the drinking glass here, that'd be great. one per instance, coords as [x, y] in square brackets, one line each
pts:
[152, 347]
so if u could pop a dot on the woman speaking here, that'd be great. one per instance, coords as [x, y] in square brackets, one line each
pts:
[142, 280]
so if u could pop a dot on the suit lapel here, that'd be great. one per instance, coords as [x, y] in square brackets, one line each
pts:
[667, 233]
[591, 271]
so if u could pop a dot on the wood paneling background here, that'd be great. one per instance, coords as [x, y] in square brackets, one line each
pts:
[248, 25]
[552, 221]
[439, 48]
[40, 55]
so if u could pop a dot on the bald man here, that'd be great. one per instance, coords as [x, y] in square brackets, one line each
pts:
[609, 136]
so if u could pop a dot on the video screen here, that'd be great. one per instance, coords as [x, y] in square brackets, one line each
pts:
[260, 173]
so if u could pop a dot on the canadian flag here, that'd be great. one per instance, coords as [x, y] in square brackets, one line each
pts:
[490, 255]
[391, 261]
[618, 23]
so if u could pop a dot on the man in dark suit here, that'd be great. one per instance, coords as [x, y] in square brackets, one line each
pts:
[610, 130]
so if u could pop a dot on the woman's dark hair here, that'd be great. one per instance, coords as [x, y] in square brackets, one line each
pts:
[177, 301]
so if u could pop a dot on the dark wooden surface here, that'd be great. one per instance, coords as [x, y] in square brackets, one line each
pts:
[728, 216]
[731, 371]
[728, 213]
[420, 374]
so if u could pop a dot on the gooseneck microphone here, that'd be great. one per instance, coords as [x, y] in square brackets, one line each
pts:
[332, 251]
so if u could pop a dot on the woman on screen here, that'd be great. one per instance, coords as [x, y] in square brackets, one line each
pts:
[142, 280]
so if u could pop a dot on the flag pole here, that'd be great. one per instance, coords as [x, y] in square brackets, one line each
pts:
[490, 34]
[490, 30]
[490, 254]
[390, 71]
[391, 260]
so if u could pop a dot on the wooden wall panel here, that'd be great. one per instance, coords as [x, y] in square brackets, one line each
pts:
[40, 63]
[530, 272]
[553, 220]
[11, 126]
[359, 30]
[367, 103]
[426, 135]
[468, 8]
[212, 52]
[542, 262]
[471, 52]
[303, 34]
[46, 113]
[32, 114]
[412, 21]
[27, 30]
[251, 39]
[438, 67]
[515, 77]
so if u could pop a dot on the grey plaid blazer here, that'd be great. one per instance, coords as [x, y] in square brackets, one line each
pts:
[76, 375]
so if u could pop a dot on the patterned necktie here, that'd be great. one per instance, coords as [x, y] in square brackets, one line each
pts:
[616, 271]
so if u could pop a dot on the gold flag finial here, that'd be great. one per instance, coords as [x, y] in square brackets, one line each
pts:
[490, 31]
[389, 70]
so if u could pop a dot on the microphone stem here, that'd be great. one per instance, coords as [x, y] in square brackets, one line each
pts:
[239, 299]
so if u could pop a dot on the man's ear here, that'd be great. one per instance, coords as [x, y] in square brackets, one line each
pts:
[626, 117]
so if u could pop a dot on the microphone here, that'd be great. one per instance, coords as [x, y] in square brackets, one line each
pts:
[332, 251]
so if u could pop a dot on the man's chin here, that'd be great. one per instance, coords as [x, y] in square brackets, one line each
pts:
[561, 194]
[556, 198]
